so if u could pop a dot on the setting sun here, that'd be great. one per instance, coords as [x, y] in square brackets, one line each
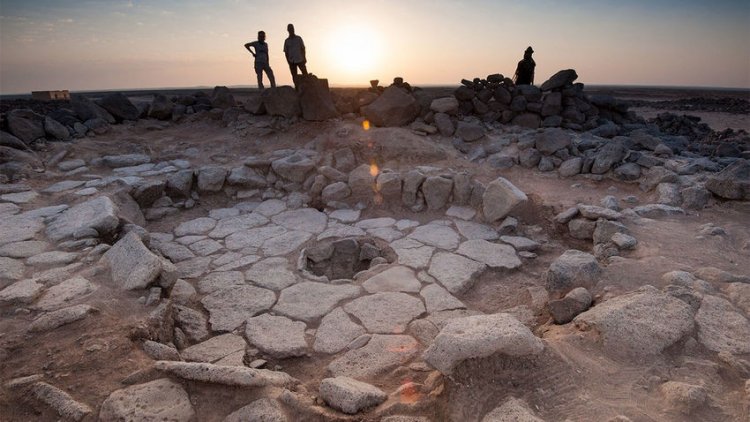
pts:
[354, 51]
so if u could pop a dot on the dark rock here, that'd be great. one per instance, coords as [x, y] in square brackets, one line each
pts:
[315, 99]
[552, 104]
[55, 129]
[8, 140]
[628, 172]
[464, 93]
[551, 140]
[86, 109]
[469, 132]
[559, 80]
[26, 125]
[529, 120]
[282, 101]
[530, 92]
[610, 154]
[119, 106]
[564, 310]
[502, 95]
[394, 107]
[529, 157]
[161, 108]
[518, 104]
[222, 98]
[444, 124]
[733, 182]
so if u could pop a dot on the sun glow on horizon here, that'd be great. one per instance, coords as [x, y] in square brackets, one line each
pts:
[353, 51]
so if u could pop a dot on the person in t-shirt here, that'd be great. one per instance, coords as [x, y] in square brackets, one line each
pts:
[294, 49]
[525, 69]
[261, 59]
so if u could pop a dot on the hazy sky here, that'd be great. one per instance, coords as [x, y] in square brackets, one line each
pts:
[87, 45]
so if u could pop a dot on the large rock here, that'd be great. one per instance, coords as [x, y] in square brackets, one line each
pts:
[161, 108]
[387, 312]
[610, 154]
[560, 80]
[294, 167]
[232, 306]
[119, 106]
[162, 399]
[437, 191]
[733, 182]
[394, 107]
[132, 265]
[455, 272]
[211, 178]
[8, 140]
[382, 354]
[447, 105]
[469, 131]
[315, 99]
[349, 395]
[237, 376]
[26, 125]
[55, 129]
[529, 120]
[99, 214]
[721, 328]
[551, 140]
[282, 101]
[637, 324]
[500, 198]
[573, 269]
[277, 336]
[564, 310]
[480, 336]
[86, 109]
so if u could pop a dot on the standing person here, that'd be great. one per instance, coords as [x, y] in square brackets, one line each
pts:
[261, 59]
[525, 70]
[294, 49]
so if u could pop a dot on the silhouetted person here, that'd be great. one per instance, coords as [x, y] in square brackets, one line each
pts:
[294, 49]
[525, 70]
[261, 59]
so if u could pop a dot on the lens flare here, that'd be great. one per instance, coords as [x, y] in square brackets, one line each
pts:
[374, 170]
[366, 125]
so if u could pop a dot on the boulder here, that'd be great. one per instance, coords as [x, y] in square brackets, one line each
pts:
[10, 141]
[721, 328]
[293, 167]
[437, 191]
[638, 324]
[282, 101]
[98, 214]
[572, 269]
[610, 154]
[55, 129]
[362, 181]
[161, 108]
[394, 107]
[560, 80]
[132, 265]
[222, 98]
[26, 125]
[446, 105]
[480, 336]
[119, 106]
[733, 182]
[469, 132]
[179, 184]
[86, 109]
[552, 104]
[315, 99]
[500, 198]
[444, 124]
[349, 395]
[211, 178]
[564, 310]
[571, 167]
[156, 400]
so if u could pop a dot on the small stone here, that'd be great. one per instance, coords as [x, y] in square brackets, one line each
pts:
[349, 395]
[564, 310]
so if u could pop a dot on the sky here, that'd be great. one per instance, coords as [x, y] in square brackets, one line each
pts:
[128, 44]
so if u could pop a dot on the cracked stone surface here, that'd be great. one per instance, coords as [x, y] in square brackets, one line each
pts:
[271, 273]
[381, 354]
[230, 307]
[455, 272]
[336, 332]
[385, 313]
[277, 336]
[494, 255]
[309, 300]
[395, 279]
[436, 235]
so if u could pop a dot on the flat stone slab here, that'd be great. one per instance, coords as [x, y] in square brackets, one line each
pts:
[463, 213]
[193, 268]
[493, 255]
[206, 247]
[271, 273]
[162, 399]
[63, 186]
[340, 230]
[438, 299]
[309, 301]
[62, 294]
[11, 269]
[252, 238]
[640, 323]
[21, 292]
[220, 280]
[132, 265]
[721, 328]
[412, 253]
[382, 354]
[20, 197]
[394, 279]
[262, 410]
[375, 223]
[285, 243]
[349, 395]
[270, 207]
[277, 336]
[174, 251]
[214, 349]
[64, 316]
[305, 219]
[18, 228]
[52, 259]
[480, 336]
[231, 225]
[386, 233]
[197, 226]
[345, 216]
[238, 376]
[520, 243]
[593, 212]
[336, 332]
[230, 307]
[455, 272]
[436, 235]
[99, 214]
[385, 313]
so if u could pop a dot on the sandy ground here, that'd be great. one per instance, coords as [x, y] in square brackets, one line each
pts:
[571, 381]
